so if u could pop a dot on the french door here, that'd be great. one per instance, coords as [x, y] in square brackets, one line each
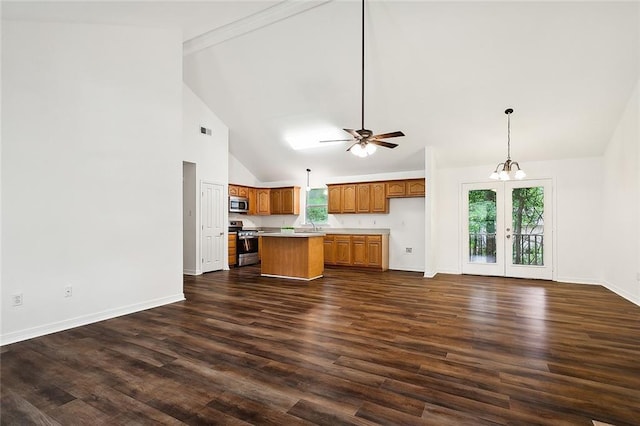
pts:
[507, 229]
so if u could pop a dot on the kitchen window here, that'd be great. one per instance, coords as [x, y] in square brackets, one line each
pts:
[316, 210]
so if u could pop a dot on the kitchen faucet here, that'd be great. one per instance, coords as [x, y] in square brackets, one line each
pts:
[315, 228]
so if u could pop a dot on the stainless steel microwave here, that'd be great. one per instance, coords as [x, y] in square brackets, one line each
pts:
[238, 204]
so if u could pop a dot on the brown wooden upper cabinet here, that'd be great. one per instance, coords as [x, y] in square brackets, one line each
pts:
[267, 201]
[349, 198]
[396, 188]
[290, 200]
[263, 206]
[275, 201]
[363, 198]
[406, 188]
[335, 199]
[285, 200]
[371, 197]
[252, 196]
[238, 191]
[379, 201]
[416, 188]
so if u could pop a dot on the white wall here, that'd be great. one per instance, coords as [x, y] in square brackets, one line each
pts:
[239, 174]
[210, 154]
[621, 199]
[577, 206]
[432, 215]
[91, 173]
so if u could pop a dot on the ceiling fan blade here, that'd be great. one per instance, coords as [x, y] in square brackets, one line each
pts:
[353, 133]
[383, 143]
[349, 149]
[338, 140]
[388, 135]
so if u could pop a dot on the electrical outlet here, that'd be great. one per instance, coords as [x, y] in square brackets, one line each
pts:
[68, 291]
[16, 299]
[408, 250]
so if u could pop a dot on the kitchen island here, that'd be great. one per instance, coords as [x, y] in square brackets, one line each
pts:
[298, 256]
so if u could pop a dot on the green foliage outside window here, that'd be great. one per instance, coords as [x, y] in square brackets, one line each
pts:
[317, 206]
[482, 211]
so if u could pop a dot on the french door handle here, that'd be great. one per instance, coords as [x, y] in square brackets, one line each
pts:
[508, 236]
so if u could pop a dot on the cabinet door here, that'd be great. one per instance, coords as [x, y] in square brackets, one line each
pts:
[243, 191]
[396, 188]
[349, 198]
[276, 201]
[374, 251]
[290, 200]
[379, 201]
[363, 198]
[329, 250]
[334, 202]
[251, 195]
[232, 249]
[263, 196]
[234, 190]
[415, 187]
[343, 249]
[359, 250]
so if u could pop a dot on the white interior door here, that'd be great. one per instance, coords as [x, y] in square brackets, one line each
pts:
[212, 217]
[507, 229]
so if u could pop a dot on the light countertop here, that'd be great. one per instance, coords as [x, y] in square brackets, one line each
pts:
[323, 231]
[292, 235]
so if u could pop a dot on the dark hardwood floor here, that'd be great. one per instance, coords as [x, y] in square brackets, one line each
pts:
[350, 348]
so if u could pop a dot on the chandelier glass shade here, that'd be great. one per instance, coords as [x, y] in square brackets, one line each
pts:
[508, 168]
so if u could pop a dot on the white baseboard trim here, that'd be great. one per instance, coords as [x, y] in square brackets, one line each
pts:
[572, 280]
[67, 324]
[449, 271]
[191, 272]
[622, 293]
[429, 274]
[407, 269]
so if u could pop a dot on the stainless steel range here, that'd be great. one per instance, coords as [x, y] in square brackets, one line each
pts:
[246, 244]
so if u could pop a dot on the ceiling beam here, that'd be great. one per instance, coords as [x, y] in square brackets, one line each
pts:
[278, 12]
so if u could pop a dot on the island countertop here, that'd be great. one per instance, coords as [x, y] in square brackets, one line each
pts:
[330, 231]
[293, 234]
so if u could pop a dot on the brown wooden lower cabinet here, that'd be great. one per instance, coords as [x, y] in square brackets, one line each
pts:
[356, 250]
[343, 250]
[232, 248]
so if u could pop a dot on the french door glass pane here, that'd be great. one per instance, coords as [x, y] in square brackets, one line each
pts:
[528, 226]
[482, 226]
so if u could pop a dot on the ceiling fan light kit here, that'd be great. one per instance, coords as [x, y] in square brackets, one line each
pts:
[503, 170]
[363, 149]
[364, 141]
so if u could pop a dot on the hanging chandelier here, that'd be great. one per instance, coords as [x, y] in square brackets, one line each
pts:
[503, 170]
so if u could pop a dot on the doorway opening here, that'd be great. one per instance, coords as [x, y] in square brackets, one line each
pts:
[189, 220]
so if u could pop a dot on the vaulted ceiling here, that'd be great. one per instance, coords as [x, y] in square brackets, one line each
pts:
[282, 74]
